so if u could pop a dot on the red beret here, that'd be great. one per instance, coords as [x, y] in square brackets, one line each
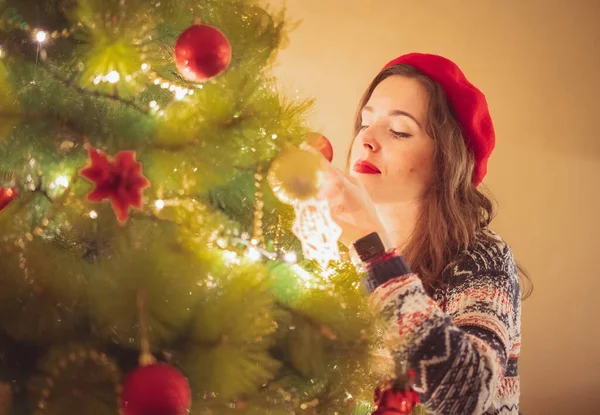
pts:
[468, 102]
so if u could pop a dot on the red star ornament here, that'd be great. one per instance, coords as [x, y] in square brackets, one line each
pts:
[120, 180]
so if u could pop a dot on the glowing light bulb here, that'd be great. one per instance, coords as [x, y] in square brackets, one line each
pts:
[153, 104]
[97, 79]
[230, 258]
[145, 67]
[113, 77]
[41, 36]
[180, 94]
[62, 181]
[93, 214]
[274, 136]
[253, 254]
[290, 257]
[159, 204]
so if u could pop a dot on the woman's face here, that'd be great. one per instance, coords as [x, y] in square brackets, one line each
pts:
[392, 155]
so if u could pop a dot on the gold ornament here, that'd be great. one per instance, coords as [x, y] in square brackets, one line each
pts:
[295, 175]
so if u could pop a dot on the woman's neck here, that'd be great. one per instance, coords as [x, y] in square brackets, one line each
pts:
[399, 220]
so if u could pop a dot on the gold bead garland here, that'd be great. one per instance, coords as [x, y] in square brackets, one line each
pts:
[258, 237]
[77, 358]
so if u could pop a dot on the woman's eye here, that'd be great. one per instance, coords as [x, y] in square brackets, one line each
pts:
[400, 134]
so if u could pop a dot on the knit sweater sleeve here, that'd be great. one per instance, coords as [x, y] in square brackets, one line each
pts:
[459, 355]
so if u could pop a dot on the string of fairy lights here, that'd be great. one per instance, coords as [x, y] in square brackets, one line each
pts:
[42, 38]
[254, 245]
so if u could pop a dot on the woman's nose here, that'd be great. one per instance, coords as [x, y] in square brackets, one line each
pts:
[370, 142]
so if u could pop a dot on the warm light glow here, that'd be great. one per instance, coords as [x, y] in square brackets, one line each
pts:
[290, 257]
[113, 77]
[180, 94]
[153, 104]
[302, 273]
[308, 280]
[62, 181]
[145, 67]
[97, 79]
[159, 204]
[230, 258]
[274, 136]
[253, 254]
[93, 214]
[41, 36]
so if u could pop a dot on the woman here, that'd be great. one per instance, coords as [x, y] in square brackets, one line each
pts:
[423, 138]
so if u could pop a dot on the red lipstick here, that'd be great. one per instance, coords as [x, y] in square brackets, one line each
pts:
[364, 167]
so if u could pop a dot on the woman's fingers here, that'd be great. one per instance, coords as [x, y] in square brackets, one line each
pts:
[331, 186]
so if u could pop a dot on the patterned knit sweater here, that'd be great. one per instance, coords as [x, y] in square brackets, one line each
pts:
[464, 342]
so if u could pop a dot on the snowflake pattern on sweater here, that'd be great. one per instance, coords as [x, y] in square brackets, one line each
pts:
[464, 342]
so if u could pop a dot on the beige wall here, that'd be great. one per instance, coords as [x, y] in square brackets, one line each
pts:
[538, 61]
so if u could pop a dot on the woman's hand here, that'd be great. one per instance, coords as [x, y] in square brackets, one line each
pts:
[351, 206]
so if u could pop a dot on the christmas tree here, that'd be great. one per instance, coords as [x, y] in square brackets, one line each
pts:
[156, 217]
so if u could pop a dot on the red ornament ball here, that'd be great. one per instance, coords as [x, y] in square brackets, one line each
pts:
[320, 143]
[391, 400]
[157, 389]
[6, 196]
[202, 52]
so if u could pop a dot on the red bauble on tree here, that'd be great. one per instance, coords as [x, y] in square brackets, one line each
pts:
[202, 52]
[120, 180]
[320, 143]
[6, 196]
[156, 389]
[396, 397]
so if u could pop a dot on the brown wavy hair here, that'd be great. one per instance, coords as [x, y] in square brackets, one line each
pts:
[454, 210]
